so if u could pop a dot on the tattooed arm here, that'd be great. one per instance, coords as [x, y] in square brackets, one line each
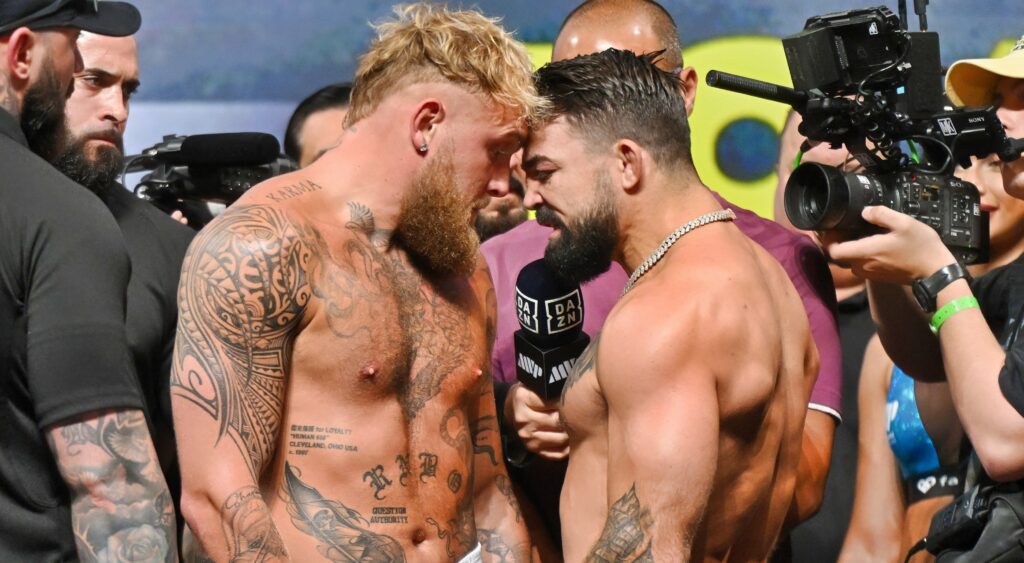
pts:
[241, 300]
[663, 425]
[501, 529]
[120, 507]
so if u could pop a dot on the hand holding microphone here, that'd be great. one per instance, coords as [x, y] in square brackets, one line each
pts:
[549, 341]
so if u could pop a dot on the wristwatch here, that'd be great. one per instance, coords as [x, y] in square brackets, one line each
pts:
[926, 290]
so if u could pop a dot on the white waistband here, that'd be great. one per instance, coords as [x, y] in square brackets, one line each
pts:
[473, 556]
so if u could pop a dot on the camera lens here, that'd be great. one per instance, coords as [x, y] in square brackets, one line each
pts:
[817, 197]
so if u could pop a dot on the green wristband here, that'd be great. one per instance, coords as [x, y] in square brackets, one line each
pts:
[950, 309]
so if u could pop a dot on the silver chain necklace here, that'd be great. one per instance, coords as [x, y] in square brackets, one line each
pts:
[659, 253]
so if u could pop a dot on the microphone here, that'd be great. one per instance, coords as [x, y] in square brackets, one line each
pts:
[550, 337]
[757, 88]
[216, 149]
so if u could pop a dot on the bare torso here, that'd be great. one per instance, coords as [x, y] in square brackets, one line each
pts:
[377, 411]
[763, 372]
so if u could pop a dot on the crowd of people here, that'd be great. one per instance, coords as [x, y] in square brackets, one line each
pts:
[328, 369]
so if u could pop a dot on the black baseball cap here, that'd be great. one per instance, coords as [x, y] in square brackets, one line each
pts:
[116, 19]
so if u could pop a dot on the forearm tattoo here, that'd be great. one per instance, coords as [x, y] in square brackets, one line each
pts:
[491, 542]
[121, 509]
[626, 535]
[341, 533]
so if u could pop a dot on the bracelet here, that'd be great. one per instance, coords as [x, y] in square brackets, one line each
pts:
[950, 309]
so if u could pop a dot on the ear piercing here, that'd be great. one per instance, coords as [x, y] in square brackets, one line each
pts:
[423, 148]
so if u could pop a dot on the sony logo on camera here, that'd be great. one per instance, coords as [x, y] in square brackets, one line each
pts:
[565, 312]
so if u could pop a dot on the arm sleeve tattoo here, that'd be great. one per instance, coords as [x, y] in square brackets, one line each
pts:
[242, 295]
[243, 292]
[121, 509]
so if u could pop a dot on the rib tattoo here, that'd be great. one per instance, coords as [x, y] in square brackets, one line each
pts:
[340, 531]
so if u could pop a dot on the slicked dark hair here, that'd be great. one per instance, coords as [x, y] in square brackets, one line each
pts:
[615, 95]
[328, 97]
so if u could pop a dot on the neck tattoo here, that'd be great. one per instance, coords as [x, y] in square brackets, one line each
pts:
[659, 253]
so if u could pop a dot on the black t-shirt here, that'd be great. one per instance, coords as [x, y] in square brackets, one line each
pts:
[1001, 296]
[156, 244]
[63, 349]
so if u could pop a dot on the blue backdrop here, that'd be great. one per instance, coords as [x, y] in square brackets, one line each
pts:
[231, 65]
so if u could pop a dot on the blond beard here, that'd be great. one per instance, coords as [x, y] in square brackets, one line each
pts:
[433, 225]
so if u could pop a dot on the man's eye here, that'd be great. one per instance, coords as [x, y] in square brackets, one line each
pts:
[542, 175]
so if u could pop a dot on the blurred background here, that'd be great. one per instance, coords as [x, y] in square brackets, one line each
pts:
[213, 66]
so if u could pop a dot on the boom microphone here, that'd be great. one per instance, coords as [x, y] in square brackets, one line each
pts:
[217, 149]
[551, 336]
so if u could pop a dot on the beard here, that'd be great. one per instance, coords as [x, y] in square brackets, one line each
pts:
[507, 218]
[583, 249]
[433, 223]
[42, 114]
[98, 173]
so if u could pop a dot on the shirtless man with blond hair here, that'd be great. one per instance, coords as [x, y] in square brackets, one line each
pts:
[685, 415]
[330, 390]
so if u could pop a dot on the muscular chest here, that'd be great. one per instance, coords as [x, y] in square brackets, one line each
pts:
[379, 329]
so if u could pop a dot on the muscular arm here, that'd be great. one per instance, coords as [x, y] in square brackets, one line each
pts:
[120, 507]
[878, 504]
[663, 427]
[242, 295]
[500, 527]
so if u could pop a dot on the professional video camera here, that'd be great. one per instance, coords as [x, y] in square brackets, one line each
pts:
[206, 168]
[862, 80]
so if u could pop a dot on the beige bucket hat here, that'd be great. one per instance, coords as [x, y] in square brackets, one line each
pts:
[972, 82]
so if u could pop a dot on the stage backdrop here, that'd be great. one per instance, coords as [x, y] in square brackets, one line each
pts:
[239, 65]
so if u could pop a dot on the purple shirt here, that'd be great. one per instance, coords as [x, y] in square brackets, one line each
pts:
[506, 254]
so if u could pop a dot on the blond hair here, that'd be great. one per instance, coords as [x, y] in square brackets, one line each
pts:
[428, 43]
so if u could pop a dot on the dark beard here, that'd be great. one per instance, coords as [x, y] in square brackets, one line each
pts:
[583, 250]
[506, 220]
[433, 224]
[42, 114]
[98, 174]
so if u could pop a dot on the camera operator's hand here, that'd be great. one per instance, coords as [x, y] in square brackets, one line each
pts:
[536, 422]
[910, 250]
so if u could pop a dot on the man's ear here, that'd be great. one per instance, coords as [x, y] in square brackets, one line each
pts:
[429, 113]
[688, 83]
[629, 164]
[18, 58]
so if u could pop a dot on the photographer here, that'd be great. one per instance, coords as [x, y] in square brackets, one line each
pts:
[986, 382]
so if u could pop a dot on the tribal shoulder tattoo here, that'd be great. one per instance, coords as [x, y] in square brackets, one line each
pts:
[244, 288]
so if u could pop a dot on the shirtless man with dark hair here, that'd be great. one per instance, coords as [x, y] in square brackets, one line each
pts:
[330, 389]
[685, 415]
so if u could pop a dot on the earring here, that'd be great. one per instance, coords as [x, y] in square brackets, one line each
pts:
[423, 148]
